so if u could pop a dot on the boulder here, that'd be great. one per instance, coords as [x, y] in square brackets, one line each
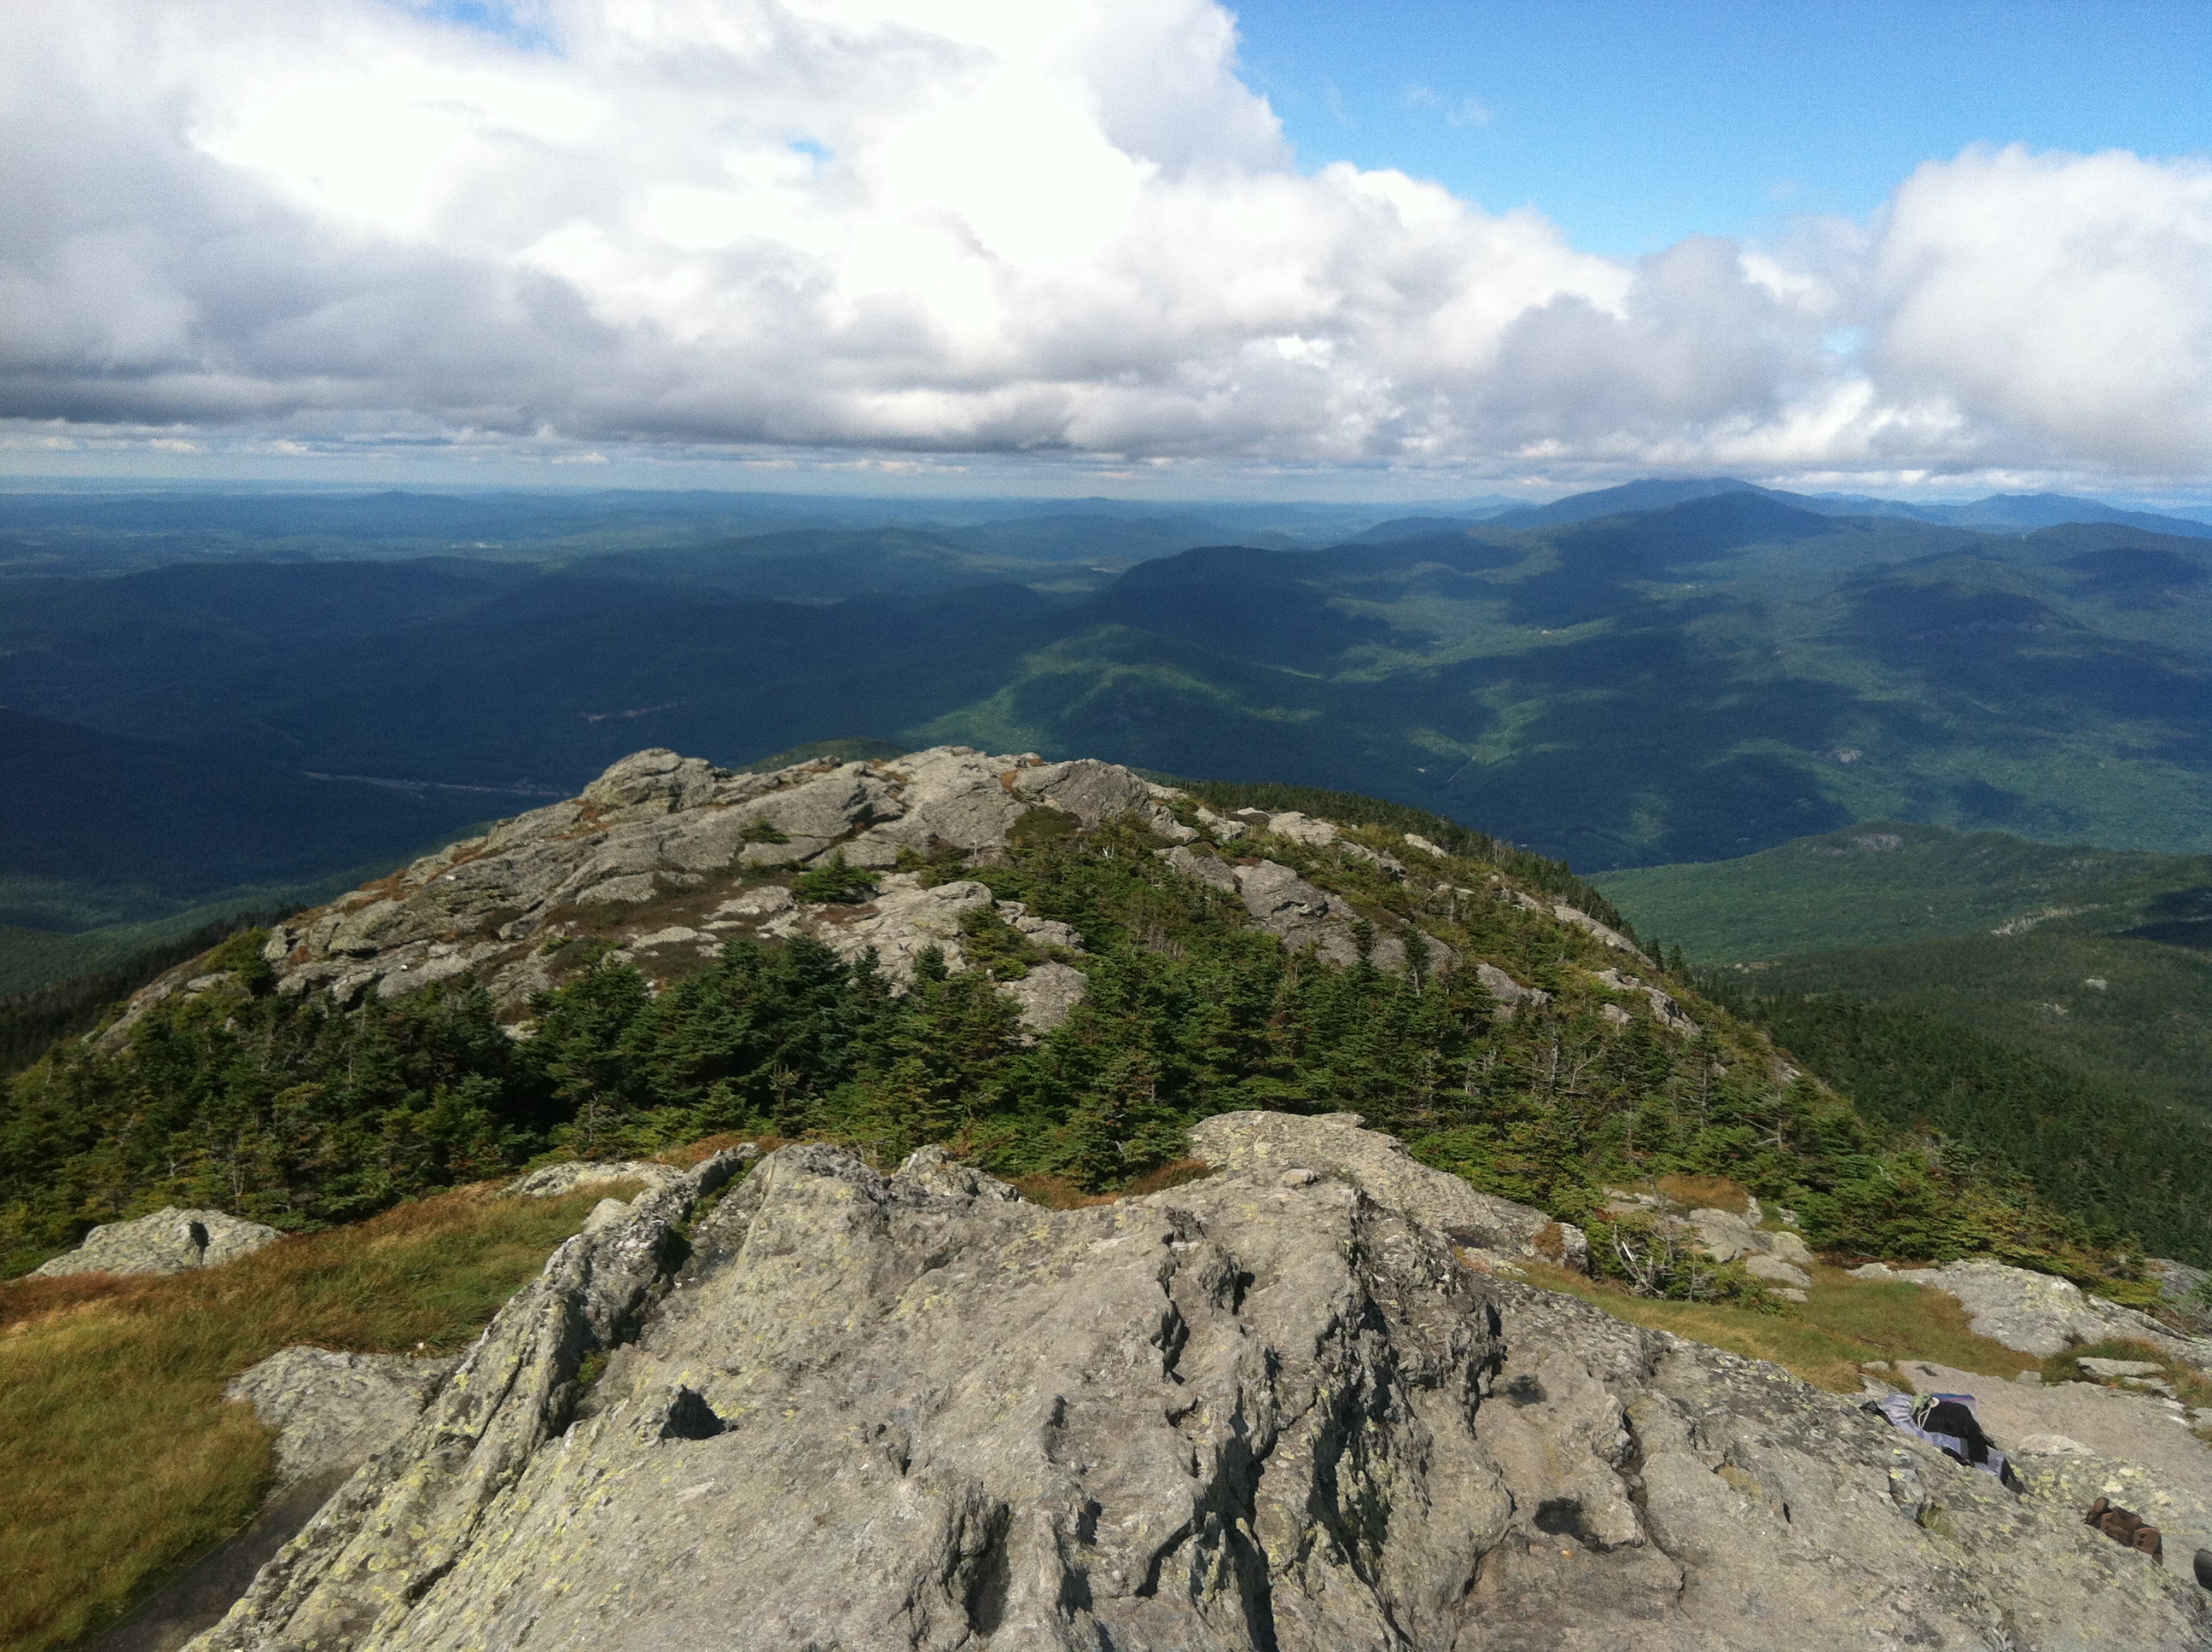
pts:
[1044, 997]
[1296, 911]
[906, 918]
[1766, 1253]
[170, 1241]
[557, 1181]
[1510, 993]
[857, 1411]
[1762, 1265]
[331, 1411]
[605, 1214]
[1339, 1145]
[2039, 1314]
[1668, 1013]
[2119, 1367]
[1302, 829]
[1206, 868]
[904, 921]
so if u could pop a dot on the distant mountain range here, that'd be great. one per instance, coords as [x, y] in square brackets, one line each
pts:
[106, 531]
[1626, 683]
[2018, 512]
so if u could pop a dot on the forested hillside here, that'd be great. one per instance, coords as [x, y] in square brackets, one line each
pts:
[2046, 1003]
[1434, 983]
[1886, 882]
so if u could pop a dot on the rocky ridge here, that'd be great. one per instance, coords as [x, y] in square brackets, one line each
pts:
[670, 857]
[1271, 1409]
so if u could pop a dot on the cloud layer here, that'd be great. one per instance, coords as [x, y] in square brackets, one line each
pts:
[963, 226]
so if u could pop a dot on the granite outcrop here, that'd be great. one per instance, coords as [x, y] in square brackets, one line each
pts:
[2040, 1313]
[1270, 1409]
[665, 859]
[170, 1241]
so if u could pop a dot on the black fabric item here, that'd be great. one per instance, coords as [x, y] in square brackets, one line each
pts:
[1949, 1416]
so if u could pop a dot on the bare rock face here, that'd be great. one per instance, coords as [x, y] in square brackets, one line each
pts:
[331, 1410]
[2073, 1442]
[852, 1410]
[656, 823]
[668, 860]
[1339, 1145]
[170, 1241]
[1300, 914]
[1044, 997]
[1668, 1013]
[1510, 993]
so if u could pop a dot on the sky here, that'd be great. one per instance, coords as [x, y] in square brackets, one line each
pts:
[1144, 247]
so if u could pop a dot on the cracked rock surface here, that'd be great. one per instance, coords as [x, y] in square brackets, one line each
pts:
[331, 1410]
[657, 824]
[855, 1411]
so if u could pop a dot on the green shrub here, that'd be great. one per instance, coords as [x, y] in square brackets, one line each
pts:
[834, 882]
[1654, 1258]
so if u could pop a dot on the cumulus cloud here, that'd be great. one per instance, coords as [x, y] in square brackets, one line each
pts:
[985, 225]
[2061, 304]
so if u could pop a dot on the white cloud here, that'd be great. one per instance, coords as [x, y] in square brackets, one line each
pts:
[2062, 303]
[987, 225]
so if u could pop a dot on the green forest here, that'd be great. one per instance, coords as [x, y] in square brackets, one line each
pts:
[2093, 1144]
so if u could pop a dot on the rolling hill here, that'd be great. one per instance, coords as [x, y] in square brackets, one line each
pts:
[1701, 679]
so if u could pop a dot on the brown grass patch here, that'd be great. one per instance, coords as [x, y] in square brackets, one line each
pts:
[1181, 1174]
[124, 1462]
[694, 1154]
[1846, 1323]
[1057, 1192]
[1699, 1193]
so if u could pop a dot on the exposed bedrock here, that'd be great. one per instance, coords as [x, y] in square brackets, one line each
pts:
[1271, 1409]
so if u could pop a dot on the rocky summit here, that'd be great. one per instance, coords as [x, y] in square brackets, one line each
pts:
[1275, 1410]
[683, 844]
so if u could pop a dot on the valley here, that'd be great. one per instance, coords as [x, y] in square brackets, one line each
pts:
[2051, 1004]
[1696, 680]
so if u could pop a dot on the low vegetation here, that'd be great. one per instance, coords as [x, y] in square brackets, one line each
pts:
[124, 1462]
[1828, 1340]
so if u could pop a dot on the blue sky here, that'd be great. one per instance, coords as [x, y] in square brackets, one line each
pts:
[1058, 246]
[1633, 124]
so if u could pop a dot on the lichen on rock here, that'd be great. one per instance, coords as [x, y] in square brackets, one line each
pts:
[170, 1241]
